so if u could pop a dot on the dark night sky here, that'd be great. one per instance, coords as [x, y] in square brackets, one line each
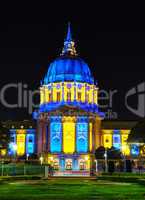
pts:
[110, 38]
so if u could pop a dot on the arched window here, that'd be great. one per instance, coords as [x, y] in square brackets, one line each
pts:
[58, 96]
[49, 97]
[79, 96]
[68, 96]
[87, 97]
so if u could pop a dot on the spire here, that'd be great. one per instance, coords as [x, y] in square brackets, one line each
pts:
[69, 45]
[69, 36]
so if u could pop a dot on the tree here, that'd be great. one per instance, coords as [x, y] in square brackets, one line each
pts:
[99, 153]
[137, 135]
[112, 153]
[4, 138]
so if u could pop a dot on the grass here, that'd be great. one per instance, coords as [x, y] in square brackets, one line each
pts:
[71, 189]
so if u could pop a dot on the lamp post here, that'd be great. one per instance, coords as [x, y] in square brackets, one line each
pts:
[27, 157]
[106, 160]
[96, 162]
[124, 157]
[2, 172]
[41, 159]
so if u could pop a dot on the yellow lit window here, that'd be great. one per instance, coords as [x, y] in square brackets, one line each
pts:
[125, 146]
[108, 140]
[20, 144]
[68, 136]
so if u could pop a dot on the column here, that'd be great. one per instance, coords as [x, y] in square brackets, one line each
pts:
[93, 136]
[62, 134]
[63, 91]
[74, 91]
[75, 164]
[39, 138]
[76, 135]
[88, 134]
[62, 164]
[47, 139]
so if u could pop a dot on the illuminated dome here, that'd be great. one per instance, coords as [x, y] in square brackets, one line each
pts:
[68, 68]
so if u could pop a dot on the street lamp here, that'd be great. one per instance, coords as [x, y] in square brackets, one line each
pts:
[41, 159]
[27, 157]
[106, 160]
[124, 156]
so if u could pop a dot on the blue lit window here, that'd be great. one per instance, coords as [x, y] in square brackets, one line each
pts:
[116, 139]
[82, 137]
[55, 136]
[11, 150]
[134, 150]
[30, 143]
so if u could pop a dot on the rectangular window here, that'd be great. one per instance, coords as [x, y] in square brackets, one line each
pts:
[30, 143]
[12, 139]
[49, 97]
[55, 135]
[116, 141]
[68, 136]
[20, 144]
[79, 96]
[68, 96]
[30, 140]
[82, 137]
[87, 97]
[58, 96]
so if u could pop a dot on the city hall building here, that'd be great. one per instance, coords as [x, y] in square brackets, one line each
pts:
[69, 126]
[69, 121]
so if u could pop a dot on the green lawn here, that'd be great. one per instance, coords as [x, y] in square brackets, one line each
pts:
[67, 189]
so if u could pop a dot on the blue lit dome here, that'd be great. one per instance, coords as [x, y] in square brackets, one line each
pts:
[68, 68]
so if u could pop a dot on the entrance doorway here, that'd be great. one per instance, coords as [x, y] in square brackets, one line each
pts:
[56, 164]
[68, 164]
[82, 164]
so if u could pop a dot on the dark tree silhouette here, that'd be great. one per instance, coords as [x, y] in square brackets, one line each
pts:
[4, 137]
[137, 134]
[112, 153]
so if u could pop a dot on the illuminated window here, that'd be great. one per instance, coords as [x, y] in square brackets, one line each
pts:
[87, 97]
[79, 96]
[134, 150]
[116, 141]
[30, 143]
[49, 97]
[13, 139]
[55, 135]
[30, 140]
[107, 140]
[69, 136]
[11, 150]
[58, 96]
[68, 96]
[20, 144]
[82, 137]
